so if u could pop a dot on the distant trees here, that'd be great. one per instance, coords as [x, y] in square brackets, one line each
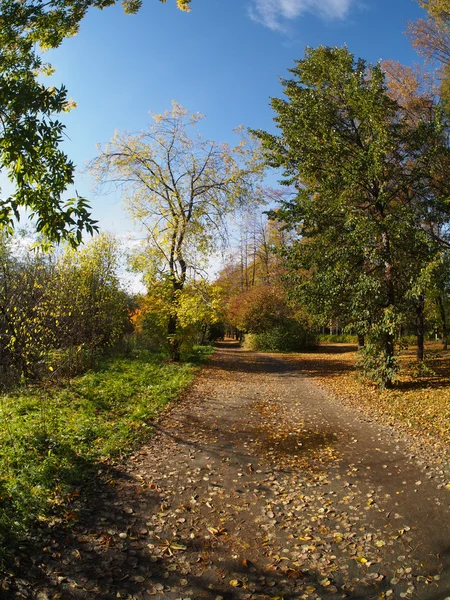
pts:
[255, 299]
[370, 204]
[179, 188]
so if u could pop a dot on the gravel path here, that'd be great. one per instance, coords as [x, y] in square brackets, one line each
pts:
[255, 485]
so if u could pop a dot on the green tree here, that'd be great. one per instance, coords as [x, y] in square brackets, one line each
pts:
[179, 188]
[367, 205]
[30, 132]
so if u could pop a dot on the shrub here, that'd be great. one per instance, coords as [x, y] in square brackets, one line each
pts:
[342, 338]
[56, 313]
[291, 336]
[377, 366]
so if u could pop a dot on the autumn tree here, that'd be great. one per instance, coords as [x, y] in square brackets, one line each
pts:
[30, 129]
[68, 305]
[199, 313]
[430, 36]
[179, 187]
[366, 194]
[414, 90]
[89, 301]
[259, 309]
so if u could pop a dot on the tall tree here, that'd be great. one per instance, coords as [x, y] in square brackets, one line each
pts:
[415, 91]
[364, 176]
[179, 187]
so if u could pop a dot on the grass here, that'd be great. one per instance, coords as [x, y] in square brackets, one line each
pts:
[337, 338]
[419, 402]
[53, 438]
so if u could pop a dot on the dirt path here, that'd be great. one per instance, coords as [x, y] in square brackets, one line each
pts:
[256, 485]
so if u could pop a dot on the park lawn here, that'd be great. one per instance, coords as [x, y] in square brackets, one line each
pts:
[54, 438]
[419, 402]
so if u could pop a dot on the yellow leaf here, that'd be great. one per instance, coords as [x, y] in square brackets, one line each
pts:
[177, 546]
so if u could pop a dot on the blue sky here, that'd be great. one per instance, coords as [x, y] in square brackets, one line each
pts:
[224, 59]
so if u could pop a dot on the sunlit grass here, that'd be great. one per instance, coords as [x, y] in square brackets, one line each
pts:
[52, 438]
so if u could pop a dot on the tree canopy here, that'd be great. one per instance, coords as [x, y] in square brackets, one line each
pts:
[369, 194]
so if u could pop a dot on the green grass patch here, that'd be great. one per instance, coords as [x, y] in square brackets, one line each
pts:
[52, 438]
[335, 338]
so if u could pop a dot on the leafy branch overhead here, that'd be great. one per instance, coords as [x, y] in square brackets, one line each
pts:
[30, 132]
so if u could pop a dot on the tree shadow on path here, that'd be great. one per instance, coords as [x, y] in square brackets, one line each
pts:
[189, 515]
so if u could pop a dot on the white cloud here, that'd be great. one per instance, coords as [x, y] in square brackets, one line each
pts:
[275, 13]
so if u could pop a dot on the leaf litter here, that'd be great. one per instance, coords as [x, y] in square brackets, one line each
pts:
[186, 516]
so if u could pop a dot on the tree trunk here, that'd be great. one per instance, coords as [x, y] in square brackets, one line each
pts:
[443, 321]
[360, 341]
[389, 353]
[204, 332]
[420, 327]
[173, 341]
[388, 340]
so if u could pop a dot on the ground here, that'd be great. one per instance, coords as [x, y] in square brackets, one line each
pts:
[257, 484]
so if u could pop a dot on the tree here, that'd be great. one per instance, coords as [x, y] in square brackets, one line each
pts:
[179, 188]
[414, 90]
[367, 201]
[199, 313]
[259, 309]
[30, 133]
[431, 38]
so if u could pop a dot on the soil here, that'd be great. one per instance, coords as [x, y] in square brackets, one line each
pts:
[255, 485]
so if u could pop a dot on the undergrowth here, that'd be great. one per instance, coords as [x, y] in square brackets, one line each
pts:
[52, 438]
[337, 338]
